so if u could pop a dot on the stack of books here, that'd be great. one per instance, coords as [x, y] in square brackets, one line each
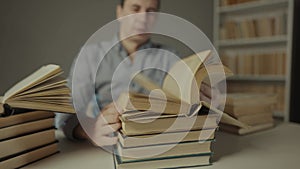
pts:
[252, 109]
[170, 127]
[27, 131]
[26, 138]
[165, 141]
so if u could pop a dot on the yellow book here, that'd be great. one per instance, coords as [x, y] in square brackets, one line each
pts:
[179, 94]
[163, 151]
[26, 128]
[25, 143]
[165, 138]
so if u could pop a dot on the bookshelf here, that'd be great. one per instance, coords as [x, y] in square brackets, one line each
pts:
[254, 39]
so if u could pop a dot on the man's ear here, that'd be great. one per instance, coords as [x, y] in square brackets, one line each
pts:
[119, 11]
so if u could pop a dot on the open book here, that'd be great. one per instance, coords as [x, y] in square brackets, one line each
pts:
[44, 89]
[180, 92]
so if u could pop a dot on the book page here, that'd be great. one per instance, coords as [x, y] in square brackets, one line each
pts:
[50, 84]
[180, 80]
[36, 77]
[151, 86]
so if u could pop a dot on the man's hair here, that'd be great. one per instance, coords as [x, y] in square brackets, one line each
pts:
[123, 1]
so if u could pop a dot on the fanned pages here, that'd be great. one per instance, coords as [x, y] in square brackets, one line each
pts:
[32, 80]
[44, 89]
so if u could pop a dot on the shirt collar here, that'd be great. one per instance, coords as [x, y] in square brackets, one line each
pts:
[123, 52]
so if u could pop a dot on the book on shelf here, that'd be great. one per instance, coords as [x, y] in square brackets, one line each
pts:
[28, 157]
[256, 62]
[165, 138]
[234, 2]
[44, 89]
[257, 25]
[19, 145]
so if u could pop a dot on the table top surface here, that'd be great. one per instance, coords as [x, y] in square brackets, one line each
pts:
[278, 147]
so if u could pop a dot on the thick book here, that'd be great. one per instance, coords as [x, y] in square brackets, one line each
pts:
[24, 118]
[181, 85]
[44, 89]
[180, 91]
[30, 157]
[26, 128]
[257, 118]
[21, 144]
[167, 123]
[163, 151]
[239, 104]
[165, 138]
[244, 131]
[187, 161]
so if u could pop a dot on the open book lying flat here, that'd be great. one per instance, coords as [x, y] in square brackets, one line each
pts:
[44, 89]
[179, 94]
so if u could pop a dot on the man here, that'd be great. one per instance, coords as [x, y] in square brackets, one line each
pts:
[125, 52]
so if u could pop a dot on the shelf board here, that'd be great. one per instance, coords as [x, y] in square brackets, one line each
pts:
[278, 114]
[251, 5]
[262, 78]
[252, 41]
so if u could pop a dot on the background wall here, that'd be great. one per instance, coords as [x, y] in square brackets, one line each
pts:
[38, 32]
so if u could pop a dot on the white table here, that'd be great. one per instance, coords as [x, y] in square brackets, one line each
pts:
[275, 148]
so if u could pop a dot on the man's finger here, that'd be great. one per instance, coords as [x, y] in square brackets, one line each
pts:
[205, 98]
[108, 106]
[109, 118]
[108, 129]
[114, 106]
[205, 89]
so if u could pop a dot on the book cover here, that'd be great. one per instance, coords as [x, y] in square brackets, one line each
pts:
[165, 138]
[26, 128]
[16, 145]
[30, 156]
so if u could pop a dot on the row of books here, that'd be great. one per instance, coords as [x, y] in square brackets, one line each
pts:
[255, 62]
[253, 109]
[234, 2]
[257, 87]
[27, 130]
[26, 138]
[257, 25]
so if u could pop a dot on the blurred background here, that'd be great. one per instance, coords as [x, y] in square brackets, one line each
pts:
[37, 32]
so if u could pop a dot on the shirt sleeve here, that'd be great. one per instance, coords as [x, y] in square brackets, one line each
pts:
[66, 123]
[81, 83]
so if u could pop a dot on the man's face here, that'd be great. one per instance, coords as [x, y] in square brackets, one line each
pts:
[137, 24]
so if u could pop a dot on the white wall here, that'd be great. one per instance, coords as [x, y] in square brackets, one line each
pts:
[37, 32]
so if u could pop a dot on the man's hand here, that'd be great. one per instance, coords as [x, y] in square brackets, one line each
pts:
[106, 124]
[212, 95]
